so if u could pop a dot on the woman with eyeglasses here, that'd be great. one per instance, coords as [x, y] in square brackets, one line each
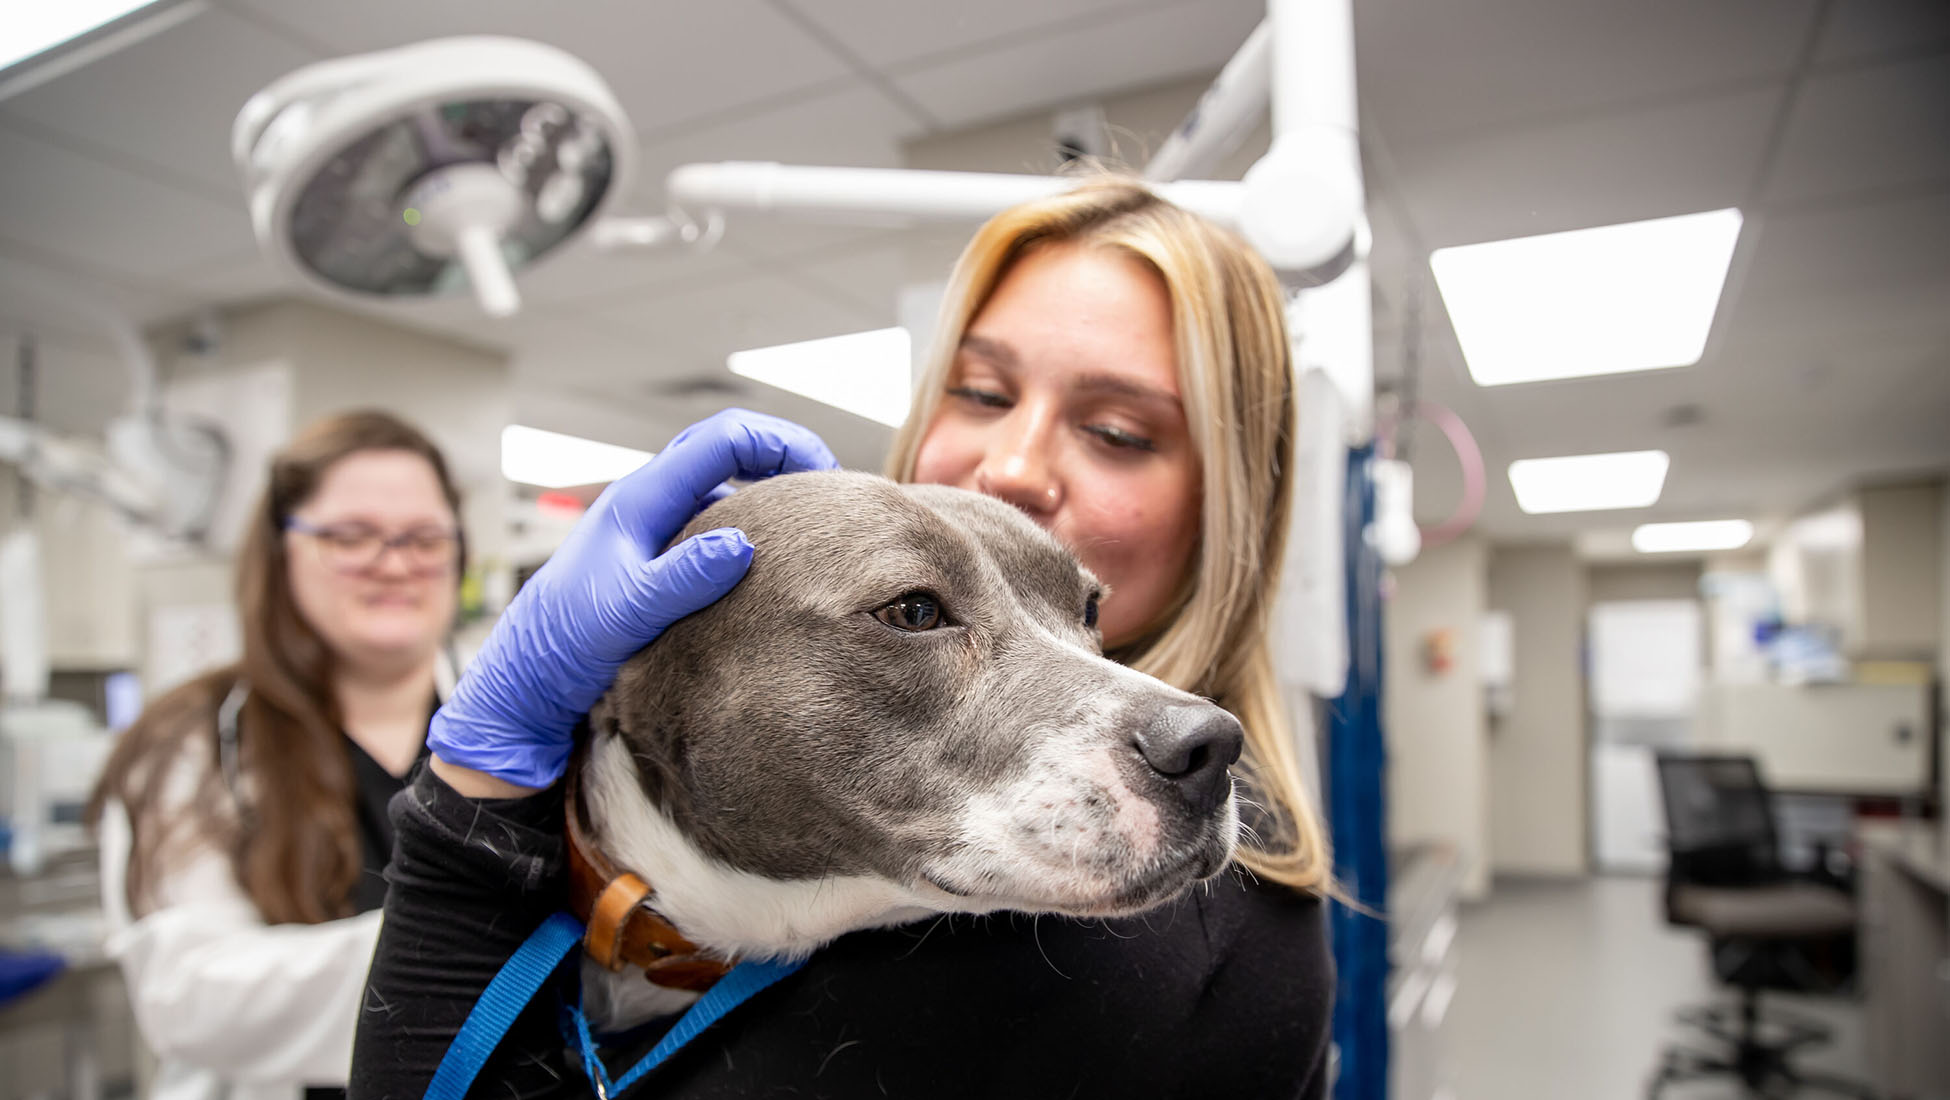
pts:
[243, 816]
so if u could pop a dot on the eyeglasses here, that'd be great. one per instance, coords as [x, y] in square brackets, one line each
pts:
[356, 547]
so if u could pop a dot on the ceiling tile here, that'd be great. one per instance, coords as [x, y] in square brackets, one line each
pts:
[593, 353]
[236, 279]
[888, 32]
[767, 240]
[583, 272]
[1119, 53]
[50, 289]
[665, 62]
[852, 125]
[870, 278]
[168, 99]
[80, 383]
[754, 312]
[603, 382]
[1472, 64]
[1861, 29]
[106, 217]
[1622, 167]
[1867, 128]
[1875, 268]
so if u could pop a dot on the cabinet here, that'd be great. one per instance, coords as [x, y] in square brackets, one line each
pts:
[1905, 931]
[1870, 568]
[1423, 919]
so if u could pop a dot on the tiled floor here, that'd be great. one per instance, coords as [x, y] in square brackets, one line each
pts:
[1567, 989]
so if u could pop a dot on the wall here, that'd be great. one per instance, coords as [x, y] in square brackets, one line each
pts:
[1943, 588]
[330, 361]
[1537, 770]
[1900, 540]
[1438, 752]
[277, 367]
[1943, 661]
[1665, 581]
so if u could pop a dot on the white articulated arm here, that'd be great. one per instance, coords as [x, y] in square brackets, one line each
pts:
[893, 196]
[1225, 114]
[1304, 199]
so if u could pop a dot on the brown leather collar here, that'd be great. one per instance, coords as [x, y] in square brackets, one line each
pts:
[614, 906]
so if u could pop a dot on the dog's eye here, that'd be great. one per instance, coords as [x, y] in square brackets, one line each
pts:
[1090, 612]
[914, 611]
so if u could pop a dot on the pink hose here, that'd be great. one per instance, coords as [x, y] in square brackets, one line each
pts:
[1468, 455]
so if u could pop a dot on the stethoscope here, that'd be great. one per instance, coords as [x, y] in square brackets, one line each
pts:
[227, 752]
[231, 709]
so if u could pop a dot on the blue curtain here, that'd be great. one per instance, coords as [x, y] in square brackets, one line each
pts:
[1357, 813]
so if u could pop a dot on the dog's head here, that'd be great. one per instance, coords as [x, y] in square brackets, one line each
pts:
[909, 684]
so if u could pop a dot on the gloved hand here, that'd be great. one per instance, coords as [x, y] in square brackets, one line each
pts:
[606, 593]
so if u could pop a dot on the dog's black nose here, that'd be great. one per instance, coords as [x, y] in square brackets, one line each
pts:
[1192, 745]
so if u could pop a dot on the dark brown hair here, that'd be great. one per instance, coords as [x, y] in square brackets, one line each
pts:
[289, 828]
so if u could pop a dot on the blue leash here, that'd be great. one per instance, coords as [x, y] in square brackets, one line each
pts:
[522, 976]
[731, 990]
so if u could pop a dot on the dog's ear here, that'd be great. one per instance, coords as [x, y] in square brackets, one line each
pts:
[645, 708]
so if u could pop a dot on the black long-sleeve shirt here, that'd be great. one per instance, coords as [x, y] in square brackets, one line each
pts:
[1224, 993]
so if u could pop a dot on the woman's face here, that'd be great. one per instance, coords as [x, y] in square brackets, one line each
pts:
[1064, 401]
[376, 607]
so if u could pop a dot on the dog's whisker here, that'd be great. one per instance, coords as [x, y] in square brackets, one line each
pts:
[932, 925]
[1035, 931]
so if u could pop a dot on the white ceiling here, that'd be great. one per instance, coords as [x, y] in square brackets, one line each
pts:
[1828, 123]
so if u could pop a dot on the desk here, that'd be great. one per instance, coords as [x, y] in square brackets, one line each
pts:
[82, 1014]
[1424, 884]
[1905, 940]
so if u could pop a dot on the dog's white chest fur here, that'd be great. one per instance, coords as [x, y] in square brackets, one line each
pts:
[728, 912]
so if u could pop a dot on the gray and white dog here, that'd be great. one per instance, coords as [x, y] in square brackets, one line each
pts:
[903, 709]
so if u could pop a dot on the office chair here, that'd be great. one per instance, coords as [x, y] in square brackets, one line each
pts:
[1767, 929]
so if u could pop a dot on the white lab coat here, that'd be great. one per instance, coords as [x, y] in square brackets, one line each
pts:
[233, 1008]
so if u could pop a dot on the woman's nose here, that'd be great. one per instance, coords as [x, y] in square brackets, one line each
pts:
[1019, 468]
[391, 563]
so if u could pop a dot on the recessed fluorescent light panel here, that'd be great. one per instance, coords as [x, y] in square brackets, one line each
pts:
[1589, 483]
[1638, 296]
[1710, 534]
[31, 28]
[555, 461]
[868, 374]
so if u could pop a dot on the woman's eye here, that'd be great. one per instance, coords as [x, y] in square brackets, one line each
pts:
[1090, 612]
[349, 538]
[986, 398]
[915, 611]
[1118, 437]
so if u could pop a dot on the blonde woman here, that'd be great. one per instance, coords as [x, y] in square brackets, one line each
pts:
[1116, 368]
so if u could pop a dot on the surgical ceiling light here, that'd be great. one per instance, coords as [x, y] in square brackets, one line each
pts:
[1631, 297]
[452, 164]
[1695, 536]
[1589, 483]
[431, 168]
[553, 460]
[868, 374]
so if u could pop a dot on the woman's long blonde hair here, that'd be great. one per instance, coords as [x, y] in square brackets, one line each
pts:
[1235, 375]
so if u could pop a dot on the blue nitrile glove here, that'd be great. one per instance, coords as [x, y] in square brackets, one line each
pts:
[606, 594]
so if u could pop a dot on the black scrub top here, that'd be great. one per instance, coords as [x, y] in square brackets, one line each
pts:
[374, 787]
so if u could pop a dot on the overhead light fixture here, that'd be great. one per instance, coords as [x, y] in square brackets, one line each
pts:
[31, 29]
[1589, 483]
[1700, 535]
[868, 374]
[552, 460]
[1616, 298]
